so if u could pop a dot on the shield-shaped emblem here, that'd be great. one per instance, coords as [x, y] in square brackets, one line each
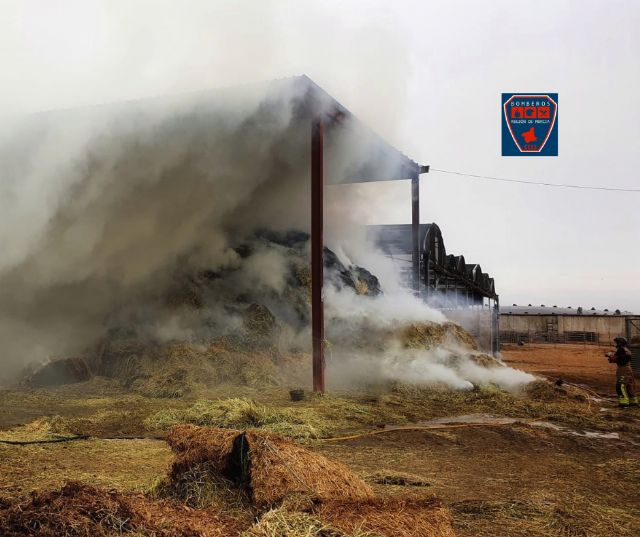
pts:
[530, 119]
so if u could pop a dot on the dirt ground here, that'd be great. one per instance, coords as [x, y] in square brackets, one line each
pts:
[583, 364]
[514, 479]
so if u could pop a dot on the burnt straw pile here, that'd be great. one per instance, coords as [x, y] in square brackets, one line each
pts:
[267, 467]
[247, 324]
[79, 510]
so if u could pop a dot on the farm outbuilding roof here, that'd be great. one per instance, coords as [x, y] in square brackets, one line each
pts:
[557, 310]
[371, 158]
[446, 270]
[307, 128]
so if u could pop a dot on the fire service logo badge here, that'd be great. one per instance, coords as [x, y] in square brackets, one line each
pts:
[530, 124]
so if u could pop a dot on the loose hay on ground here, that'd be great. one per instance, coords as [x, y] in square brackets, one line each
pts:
[283, 523]
[128, 465]
[392, 477]
[201, 486]
[540, 401]
[242, 413]
[388, 517]
[78, 510]
[574, 516]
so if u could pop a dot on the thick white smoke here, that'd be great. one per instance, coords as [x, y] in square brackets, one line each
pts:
[446, 364]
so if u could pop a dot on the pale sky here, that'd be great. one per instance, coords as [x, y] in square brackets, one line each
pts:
[427, 75]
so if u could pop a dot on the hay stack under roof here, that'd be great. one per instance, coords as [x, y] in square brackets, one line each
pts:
[269, 467]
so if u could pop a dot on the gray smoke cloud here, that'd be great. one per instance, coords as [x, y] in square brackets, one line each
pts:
[144, 215]
[102, 206]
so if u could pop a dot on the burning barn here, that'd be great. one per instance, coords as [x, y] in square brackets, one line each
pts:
[171, 226]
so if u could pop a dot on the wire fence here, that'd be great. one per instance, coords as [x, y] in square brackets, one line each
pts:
[586, 338]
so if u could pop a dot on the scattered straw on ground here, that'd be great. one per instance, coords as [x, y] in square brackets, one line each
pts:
[123, 464]
[283, 523]
[539, 400]
[201, 486]
[575, 516]
[48, 428]
[388, 517]
[242, 413]
[393, 477]
[78, 510]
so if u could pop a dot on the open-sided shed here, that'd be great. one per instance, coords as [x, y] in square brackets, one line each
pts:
[220, 150]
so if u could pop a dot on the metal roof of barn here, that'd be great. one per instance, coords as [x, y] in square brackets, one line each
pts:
[380, 161]
[373, 159]
[555, 310]
[395, 240]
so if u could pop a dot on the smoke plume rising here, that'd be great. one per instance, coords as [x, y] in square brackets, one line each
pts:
[148, 217]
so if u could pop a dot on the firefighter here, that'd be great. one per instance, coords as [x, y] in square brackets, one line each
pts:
[624, 374]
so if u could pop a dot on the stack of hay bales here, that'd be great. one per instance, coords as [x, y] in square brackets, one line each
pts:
[179, 368]
[369, 334]
[260, 344]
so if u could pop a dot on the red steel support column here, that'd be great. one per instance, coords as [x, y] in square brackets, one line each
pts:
[415, 231]
[317, 254]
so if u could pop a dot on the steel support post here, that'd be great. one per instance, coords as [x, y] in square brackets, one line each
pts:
[317, 253]
[415, 231]
[497, 311]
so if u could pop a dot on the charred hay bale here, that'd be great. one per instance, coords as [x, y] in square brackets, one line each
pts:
[267, 466]
[58, 372]
[78, 510]
[387, 517]
[356, 278]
